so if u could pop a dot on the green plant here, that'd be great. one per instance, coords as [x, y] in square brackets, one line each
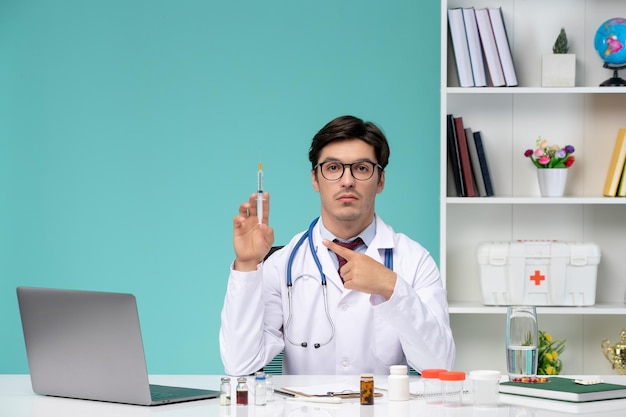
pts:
[548, 361]
[560, 45]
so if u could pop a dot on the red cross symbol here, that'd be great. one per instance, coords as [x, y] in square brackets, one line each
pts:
[537, 278]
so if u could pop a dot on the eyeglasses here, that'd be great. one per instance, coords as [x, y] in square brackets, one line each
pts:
[360, 170]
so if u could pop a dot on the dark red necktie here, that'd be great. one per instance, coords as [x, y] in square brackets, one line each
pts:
[350, 245]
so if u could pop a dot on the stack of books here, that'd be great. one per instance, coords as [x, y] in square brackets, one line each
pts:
[479, 40]
[615, 183]
[468, 159]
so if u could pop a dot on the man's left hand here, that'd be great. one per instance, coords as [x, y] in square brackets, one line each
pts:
[362, 273]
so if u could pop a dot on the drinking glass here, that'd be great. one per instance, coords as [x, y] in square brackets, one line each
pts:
[521, 341]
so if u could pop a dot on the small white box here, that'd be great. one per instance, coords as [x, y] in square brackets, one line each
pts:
[541, 273]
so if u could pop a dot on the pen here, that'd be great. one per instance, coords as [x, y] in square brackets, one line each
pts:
[259, 196]
[326, 400]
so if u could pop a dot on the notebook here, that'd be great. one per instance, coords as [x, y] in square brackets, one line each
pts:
[566, 389]
[88, 345]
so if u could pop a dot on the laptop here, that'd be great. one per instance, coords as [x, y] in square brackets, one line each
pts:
[88, 345]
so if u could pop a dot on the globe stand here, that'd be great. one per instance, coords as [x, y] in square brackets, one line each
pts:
[615, 80]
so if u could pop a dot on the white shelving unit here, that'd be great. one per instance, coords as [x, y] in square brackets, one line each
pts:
[510, 118]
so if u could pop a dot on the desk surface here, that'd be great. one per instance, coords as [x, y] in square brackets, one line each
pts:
[18, 400]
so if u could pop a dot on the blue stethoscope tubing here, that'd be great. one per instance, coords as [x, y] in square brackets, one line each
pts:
[309, 235]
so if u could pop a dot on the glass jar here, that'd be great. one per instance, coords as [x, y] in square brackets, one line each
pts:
[367, 389]
[242, 391]
[260, 389]
[225, 391]
[270, 387]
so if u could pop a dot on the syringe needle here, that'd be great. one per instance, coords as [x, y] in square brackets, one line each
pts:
[259, 196]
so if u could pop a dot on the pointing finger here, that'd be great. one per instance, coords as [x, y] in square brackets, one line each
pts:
[345, 253]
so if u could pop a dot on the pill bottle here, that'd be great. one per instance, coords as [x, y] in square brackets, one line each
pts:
[225, 391]
[452, 383]
[398, 383]
[242, 391]
[260, 389]
[485, 387]
[432, 385]
[367, 389]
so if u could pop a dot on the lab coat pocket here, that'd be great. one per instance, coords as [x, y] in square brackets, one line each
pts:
[386, 348]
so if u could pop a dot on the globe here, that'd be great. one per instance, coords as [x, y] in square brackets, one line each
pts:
[610, 44]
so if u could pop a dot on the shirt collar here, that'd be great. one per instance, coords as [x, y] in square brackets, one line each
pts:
[367, 235]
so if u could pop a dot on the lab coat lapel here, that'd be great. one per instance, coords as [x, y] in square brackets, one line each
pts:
[376, 250]
[328, 265]
[382, 240]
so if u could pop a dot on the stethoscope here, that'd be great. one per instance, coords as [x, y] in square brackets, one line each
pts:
[309, 234]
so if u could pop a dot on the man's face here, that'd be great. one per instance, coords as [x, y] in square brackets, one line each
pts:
[348, 199]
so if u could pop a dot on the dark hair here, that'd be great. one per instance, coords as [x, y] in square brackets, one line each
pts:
[350, 127]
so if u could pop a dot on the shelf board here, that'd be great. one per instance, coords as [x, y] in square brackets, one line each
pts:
[535, 90]
[598, 309]
[592, 200]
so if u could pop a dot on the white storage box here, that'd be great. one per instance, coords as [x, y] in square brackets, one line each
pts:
[541, 273]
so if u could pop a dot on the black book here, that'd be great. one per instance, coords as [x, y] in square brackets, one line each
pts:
[455, 158]
[484, 166]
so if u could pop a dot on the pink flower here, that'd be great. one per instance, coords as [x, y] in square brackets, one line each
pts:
[550, 156]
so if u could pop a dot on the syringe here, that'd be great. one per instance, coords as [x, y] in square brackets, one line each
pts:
[259, 196]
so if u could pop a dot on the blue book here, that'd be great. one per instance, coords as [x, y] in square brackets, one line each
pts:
[484, 166]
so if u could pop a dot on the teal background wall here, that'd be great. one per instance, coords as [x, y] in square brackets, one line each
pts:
[131, 130]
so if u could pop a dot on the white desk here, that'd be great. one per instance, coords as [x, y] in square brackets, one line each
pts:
[18, 400]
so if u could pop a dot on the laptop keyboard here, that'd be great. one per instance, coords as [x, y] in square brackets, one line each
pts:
[161, 392]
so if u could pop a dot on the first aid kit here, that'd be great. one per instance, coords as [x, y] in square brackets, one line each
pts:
[538, 272]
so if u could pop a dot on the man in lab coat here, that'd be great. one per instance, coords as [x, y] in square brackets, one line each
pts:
[388, 307]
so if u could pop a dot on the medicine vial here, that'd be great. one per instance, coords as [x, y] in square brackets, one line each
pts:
[260, 389]
[242, 391]
[398, 383]
[225, 391]
[367, 389]
[269, 382]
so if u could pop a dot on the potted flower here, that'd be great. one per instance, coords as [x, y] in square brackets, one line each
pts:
[548, 352]
[552, 162]
[559, 68]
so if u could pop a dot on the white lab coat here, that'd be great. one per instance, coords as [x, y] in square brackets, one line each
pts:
[370, 333]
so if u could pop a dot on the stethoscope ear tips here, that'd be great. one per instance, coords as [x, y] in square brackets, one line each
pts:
[305, 344]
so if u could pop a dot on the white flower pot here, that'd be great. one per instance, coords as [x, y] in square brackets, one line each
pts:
[558, 70]
[552, 181]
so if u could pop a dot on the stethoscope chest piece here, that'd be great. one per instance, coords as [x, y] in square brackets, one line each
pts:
[309, 279]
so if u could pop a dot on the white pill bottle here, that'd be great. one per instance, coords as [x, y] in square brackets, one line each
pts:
[398, 383]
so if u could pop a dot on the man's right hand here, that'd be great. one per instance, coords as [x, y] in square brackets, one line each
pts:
[252, 241]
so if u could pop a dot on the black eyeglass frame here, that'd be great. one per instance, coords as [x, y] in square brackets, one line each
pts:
[343, 169]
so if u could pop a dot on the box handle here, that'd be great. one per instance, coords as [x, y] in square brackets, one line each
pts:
[578, 255]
